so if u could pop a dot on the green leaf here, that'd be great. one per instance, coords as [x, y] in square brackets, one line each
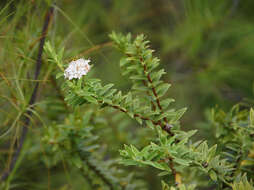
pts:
[165, 103]
[252, 117]
[123, 62]
[212, 152]
[168, 114]
[162, 89]
[155, 76]
[128, 162]
[90, 99]
[128, 151]
[150, 124]
[213, 175]
[140, 121]
[134, 150]
[75, 159]
[110, 93]
[152, 155]
[128, 99]
[178, 115]
[160, 166]
[138, 77]
[163, 173]
[58, 75]
[181, 161]
[166, 186]
[106, 88]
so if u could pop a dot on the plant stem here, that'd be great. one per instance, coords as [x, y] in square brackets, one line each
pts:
[33, 97]
[177, 176]
[166, 127]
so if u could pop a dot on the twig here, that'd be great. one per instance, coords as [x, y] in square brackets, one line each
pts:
[166, 127]
[177, 176]
[92, 49]
[154, 91]
[33, 97]
[135, 115]
[148, 93]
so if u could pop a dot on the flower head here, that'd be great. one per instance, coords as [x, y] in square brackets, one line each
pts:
[77, 69]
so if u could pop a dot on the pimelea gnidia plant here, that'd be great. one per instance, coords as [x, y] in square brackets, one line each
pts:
[62, 128]
[181, 163]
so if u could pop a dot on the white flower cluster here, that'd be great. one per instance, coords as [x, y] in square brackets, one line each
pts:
[77, 69]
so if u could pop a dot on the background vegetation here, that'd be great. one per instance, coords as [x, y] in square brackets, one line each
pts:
[206, 48]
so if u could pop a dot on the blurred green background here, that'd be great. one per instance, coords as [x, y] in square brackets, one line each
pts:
[205, 46]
